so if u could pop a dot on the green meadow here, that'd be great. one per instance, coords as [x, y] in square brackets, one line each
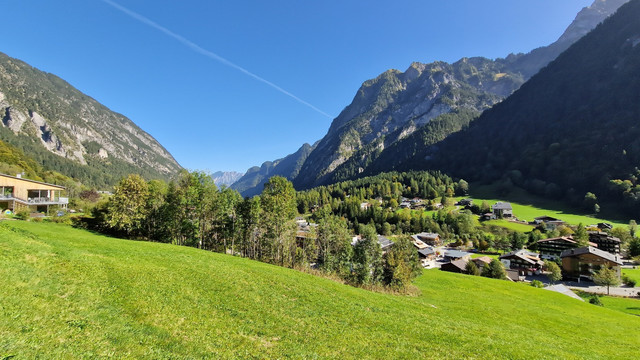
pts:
[71, 294]
[527, 207]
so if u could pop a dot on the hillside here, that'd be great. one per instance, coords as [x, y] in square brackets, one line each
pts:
[67, 131]
[572, 129]
[70, 293]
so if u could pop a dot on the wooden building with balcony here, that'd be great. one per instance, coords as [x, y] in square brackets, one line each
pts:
[18, 194]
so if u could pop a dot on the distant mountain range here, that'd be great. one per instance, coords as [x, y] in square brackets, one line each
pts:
[226, 178]
[396, 114]
[67, 131]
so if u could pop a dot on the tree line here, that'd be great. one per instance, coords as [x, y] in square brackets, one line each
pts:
[193, 211]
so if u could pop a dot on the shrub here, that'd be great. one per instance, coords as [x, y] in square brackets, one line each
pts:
[22, 215]
[628, 281]
[36, 219]
[537, 284]
[595, 300]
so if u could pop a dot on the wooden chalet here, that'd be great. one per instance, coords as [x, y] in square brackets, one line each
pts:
[456, 266]
[604, 241]
[432, 239]
[17, 194]
[524, 261]
[502, 210]
[582, 263]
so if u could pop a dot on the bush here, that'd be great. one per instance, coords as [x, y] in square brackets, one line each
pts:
[36, 219]
[595, 300]
[22, 215]
[537, 284]
[628, 281]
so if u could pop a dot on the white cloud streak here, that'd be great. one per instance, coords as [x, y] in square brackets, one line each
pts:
[200, 50]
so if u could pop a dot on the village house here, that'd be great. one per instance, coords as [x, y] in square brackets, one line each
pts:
[604, 241]
[582, 263]
[548, 222]
[481, 262]
[432, 239]
[551, 249]
[502, 210]
[456, 266]
[426, 255]
[465, 202]
[453, 255]
[17, 194]
[524, 261]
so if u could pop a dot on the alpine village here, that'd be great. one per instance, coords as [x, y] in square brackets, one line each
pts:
[476, 209]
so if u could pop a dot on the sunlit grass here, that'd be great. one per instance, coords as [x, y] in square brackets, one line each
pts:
[68, 293]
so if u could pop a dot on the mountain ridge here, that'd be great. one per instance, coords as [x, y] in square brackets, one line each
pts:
[42, 112]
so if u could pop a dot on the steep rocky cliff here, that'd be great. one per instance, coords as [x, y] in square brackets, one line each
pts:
[40, 111]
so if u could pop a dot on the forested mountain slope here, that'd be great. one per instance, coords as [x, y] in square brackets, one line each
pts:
[573, 128]
[67, 131]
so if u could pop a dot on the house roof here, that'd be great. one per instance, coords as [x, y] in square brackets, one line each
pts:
[502, 206]
[425, 235]
[484, 259]
[32, 181]
[455, 253]
[528, 256]
[591, 250]
[426, 251]
[561, 238]
[546, 218]
[460, 264]
[384, 242]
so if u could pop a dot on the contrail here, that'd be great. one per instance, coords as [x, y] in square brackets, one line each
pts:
[197, 48]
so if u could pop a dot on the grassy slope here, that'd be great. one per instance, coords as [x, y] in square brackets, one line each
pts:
[634, 274]
[67, 293]
[527, 207]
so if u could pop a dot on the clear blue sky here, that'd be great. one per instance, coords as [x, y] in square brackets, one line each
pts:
[211, 116]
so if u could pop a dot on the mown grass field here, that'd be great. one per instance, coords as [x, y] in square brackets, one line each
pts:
[527, 207]
[523, 228]
[68, 293]
[634, 274]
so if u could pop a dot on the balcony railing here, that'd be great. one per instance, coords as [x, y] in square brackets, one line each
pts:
[46, 200]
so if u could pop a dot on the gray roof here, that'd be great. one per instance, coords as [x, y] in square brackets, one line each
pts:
[502, 206]
[426, 251]
[384, 242]
[455, 253]
[591, 250]
[524, 255]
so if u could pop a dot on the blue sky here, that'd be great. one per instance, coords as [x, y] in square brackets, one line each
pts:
[211, 116]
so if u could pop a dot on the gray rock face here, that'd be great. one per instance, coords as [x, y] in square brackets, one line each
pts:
[63, 120]
[226, 178]
[589, 17]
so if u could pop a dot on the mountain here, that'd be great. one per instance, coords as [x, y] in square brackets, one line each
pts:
[226, 178]
[402, 111]
[68, 131]
[252, 182]
[573, 128]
